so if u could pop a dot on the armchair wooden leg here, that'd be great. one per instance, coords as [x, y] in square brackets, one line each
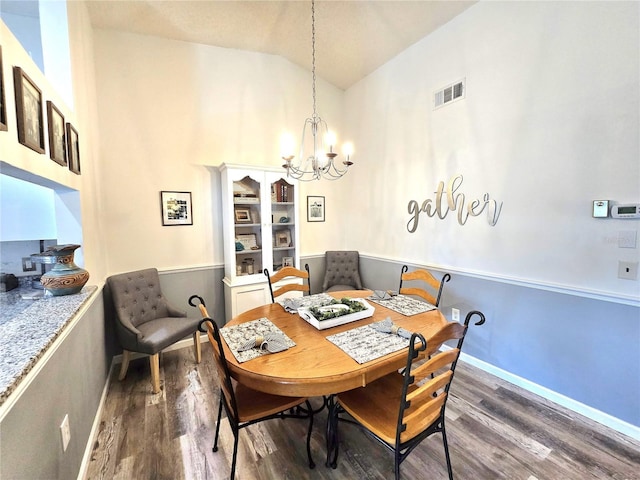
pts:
[154, 362]
[126, 356]
[196, 346]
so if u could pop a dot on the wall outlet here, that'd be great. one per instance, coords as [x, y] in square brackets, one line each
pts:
[455, 314]
[628, 270]
[28, 265]
[65, 432]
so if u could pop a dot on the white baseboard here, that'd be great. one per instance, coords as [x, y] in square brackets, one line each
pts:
[594, 414]
[94, 428]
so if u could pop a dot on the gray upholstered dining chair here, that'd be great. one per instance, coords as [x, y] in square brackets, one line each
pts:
[146, 322]
[342, 271]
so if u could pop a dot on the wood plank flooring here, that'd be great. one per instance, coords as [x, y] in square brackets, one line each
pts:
[495, 431]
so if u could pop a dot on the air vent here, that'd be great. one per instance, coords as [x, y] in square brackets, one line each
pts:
[449, 94]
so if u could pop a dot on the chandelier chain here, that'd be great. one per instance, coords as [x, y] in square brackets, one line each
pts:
[313, 55]
[319, 163]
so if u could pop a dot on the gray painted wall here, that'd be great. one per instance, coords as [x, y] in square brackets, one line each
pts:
[71, 382]
[179, 285]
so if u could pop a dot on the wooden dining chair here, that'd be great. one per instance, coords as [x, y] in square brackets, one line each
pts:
[288, 273]
[426, 277]
[402, 409]
[243, 405]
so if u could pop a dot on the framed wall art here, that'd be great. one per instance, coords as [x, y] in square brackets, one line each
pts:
[28, 111]
[73, 149]
[243, 215]
[249, 241]
[315, 209]
[57, 137]
[3, 103]
[283, 238]
[176, 208]
[287, 262]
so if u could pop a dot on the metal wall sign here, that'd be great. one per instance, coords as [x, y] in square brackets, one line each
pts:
[450, 200]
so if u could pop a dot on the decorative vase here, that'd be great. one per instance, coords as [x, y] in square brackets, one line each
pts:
[65, 278]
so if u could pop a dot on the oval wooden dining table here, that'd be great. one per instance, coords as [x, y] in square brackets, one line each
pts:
[315, 366]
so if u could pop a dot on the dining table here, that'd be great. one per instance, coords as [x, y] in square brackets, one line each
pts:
[315, 366]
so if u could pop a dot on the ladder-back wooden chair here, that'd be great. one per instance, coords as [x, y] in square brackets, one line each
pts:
[243, 405]
[288, 272]
[426, 277]
[402, 409]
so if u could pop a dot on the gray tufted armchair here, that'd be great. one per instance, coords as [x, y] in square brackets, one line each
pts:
[342, 271]
[145, 322]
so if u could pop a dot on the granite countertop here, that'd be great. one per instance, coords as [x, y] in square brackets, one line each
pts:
[29, 327]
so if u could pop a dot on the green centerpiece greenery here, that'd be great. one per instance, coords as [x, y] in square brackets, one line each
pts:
[324, 313]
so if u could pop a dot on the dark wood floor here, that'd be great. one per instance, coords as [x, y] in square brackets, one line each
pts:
[495, 431]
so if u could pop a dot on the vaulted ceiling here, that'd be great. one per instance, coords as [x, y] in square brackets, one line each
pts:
[353, 38]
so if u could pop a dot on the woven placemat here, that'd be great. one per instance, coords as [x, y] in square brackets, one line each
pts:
[238, 335]
[364, 344]
[407, 306]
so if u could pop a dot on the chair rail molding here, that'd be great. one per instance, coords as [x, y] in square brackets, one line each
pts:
[454, 202]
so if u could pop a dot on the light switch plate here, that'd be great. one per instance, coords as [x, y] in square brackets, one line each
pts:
[627, 239]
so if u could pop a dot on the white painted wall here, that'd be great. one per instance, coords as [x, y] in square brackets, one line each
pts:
[168, 113]
[55, 48]
[550, 122]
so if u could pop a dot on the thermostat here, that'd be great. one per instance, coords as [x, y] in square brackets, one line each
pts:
[630, 210]
[600, 208]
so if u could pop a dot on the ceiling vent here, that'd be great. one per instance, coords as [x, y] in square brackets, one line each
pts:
[449, 94]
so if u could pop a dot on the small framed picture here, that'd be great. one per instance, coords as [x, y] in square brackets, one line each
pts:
[283, 238]
[57, 143]
[315, 209]
[249, 241]
[3, 103]
[73, 149]
[28, 111]
[287, 261]
[243, 215]
[176, 208]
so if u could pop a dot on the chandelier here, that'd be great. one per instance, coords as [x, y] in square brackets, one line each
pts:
[319, 161]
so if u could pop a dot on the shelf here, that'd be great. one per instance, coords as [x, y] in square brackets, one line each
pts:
[251, 216]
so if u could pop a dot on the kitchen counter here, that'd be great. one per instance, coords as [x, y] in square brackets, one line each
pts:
[29, 327]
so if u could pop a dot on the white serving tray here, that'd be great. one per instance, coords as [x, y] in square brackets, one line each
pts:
[306, 315]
